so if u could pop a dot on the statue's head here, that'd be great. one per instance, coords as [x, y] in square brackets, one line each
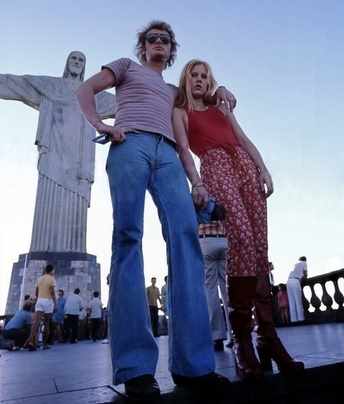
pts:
[75, 65]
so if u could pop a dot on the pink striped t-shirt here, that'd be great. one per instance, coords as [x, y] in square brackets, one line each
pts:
[144, 102]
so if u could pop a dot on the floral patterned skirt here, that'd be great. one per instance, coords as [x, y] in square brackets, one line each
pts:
[233, 180]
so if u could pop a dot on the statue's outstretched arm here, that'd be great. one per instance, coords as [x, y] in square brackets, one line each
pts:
[20, 88]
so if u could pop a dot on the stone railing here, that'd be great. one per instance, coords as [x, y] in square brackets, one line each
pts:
[323, 297]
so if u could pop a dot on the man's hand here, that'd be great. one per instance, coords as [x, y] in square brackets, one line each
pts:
[265, 179]
[200, 196]
[117, 135]
[225, 97]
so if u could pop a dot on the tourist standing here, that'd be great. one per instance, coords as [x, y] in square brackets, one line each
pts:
[44, 308]
[73, 308]
[153, 296]
[234, 173]
[214, 245]
[294, 290]
[164, 296]
[58, 316]
[95, 315]
[164, 304]
[142, 157]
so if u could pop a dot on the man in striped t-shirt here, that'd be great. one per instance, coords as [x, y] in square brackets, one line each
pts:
[143, 156]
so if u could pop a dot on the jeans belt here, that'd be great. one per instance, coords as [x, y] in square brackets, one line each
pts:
[211, 235]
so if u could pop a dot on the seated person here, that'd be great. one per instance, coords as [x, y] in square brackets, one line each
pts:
[18, 328]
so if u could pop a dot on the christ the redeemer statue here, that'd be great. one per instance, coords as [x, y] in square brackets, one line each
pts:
[66, 153]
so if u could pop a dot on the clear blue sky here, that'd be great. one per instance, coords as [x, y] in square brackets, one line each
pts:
[283, 60]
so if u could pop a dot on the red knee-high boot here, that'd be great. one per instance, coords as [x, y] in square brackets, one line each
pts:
[241, 292]
[269, 346]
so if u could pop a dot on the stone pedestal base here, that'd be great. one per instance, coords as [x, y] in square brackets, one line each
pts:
[72, 270]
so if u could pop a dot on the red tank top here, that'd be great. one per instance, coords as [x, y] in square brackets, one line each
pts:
[210, 129]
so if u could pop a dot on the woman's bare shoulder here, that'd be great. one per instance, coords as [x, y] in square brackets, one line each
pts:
[180, 114]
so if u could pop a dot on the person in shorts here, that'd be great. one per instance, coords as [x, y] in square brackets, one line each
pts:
[46, 301]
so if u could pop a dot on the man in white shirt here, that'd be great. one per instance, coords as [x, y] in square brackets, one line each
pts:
[73, 307]
[295, 291]
[95, 315]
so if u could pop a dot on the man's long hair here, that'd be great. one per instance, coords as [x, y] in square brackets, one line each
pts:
[184, 98]
[140, 48]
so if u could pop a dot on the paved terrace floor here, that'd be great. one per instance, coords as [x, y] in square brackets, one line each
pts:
[81, 373]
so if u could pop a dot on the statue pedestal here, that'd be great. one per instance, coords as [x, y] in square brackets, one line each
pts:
[72, 270]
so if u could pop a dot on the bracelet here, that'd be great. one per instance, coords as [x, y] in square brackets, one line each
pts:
[199, 185]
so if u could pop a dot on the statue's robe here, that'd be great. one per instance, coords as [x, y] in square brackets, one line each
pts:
[66, 158]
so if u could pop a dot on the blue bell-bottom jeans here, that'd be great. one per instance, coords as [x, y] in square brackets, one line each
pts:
[146, 161]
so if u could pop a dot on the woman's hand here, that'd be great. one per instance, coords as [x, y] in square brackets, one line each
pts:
[225, 97]
[266, 180]
[200, 196]
[117, 135]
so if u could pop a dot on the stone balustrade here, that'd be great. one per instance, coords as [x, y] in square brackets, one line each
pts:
[323, 297]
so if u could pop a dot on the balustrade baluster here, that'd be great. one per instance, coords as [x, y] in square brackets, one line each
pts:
[315, 301]
[326, 298]
[338, 295]
[305, 301]
[329, 285]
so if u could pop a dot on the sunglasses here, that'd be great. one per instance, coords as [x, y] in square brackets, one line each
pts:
[153, 38]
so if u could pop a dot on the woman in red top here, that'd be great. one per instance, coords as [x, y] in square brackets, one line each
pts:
[232, 171]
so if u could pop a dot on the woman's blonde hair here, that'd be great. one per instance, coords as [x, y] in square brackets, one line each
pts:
[184, 98]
